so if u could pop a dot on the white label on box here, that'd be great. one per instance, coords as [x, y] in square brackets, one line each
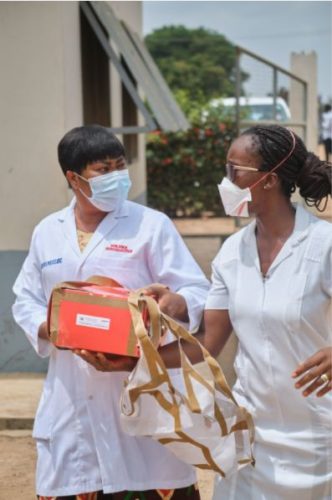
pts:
[93, 321]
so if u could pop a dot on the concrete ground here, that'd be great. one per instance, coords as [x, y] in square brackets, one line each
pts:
[19, 395]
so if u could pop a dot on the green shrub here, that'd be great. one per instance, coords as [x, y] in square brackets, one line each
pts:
[184, 168]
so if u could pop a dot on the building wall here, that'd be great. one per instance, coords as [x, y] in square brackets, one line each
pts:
[41, 99]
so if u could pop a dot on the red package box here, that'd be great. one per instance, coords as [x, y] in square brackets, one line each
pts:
[82, 315]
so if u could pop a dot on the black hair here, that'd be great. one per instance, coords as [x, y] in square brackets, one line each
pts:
[327, 108]
[83, 145]
[302, 169]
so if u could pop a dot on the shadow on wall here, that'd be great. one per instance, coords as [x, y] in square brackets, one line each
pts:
[16, 353]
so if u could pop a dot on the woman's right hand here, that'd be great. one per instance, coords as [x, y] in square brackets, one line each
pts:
[107, 362]
[316, 373]
[43, 331]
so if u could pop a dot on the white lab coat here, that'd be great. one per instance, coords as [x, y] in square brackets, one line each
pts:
[80, 444]
[280, 321]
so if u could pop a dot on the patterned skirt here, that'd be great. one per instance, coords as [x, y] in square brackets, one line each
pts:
[187, 493]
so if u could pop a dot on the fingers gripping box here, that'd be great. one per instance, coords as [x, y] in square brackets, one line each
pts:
[82, 315]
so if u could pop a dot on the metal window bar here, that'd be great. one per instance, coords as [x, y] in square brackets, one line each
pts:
[156, 74]
[150, 122]
[101, 13]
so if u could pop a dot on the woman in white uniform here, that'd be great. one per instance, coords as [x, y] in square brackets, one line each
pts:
[81, 447]
[271, 284]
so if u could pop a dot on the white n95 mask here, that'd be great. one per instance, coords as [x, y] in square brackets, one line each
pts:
[108, 190]
[234, 199]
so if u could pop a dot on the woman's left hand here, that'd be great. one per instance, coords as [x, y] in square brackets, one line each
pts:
[317, 373]
[107, 363]
[170, 303]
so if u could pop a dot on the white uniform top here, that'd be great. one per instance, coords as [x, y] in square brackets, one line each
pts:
[81, 447]
[327, 125]
[280, 321]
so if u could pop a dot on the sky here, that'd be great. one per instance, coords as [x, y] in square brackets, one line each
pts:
[271, 29]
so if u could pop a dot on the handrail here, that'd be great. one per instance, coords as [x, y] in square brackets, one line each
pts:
[270, 63]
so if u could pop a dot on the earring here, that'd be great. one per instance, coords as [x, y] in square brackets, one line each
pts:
[265, 187]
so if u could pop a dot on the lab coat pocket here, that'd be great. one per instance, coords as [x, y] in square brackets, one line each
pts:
[321, 413]
[42, 428]
[123, 270]
[53, 273]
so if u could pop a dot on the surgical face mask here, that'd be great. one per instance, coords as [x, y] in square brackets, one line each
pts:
[108, 190]
[234, 199]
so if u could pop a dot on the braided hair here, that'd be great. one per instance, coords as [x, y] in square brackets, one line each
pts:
[302, 169]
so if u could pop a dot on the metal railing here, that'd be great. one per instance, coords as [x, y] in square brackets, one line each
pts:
[297, 93]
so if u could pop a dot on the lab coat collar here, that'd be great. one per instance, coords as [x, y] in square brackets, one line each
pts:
[300, 231]
[302, 225]
[122, 211]
[106, 225]
[67, 218]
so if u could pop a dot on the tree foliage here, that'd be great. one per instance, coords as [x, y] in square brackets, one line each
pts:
[184, 168]
[198, 64]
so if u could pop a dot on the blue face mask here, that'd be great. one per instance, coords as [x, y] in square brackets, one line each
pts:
[109, 190]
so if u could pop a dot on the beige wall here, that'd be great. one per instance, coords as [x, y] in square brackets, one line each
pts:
[305, 66]
[41, 99]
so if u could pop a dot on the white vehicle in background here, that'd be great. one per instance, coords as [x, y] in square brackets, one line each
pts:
[251, 108]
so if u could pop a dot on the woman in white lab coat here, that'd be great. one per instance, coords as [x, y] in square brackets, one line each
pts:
[81, 447]
[271, 284]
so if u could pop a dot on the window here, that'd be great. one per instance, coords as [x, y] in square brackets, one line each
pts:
[165, 112]
[162, 103]
[129, 118]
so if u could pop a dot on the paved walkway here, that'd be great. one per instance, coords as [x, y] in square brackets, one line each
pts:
[19, 396]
